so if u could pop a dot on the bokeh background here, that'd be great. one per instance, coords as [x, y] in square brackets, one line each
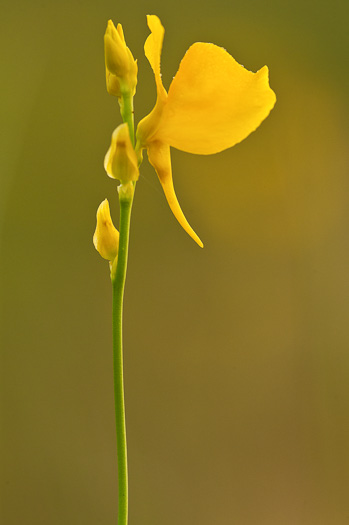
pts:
[236, 356]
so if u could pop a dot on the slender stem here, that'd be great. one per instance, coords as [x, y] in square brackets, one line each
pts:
[118, 277]
[118, 284]
[127, 113]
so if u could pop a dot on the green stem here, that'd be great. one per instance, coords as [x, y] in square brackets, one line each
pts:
[126, 110]
[118, 277]
[118, 283]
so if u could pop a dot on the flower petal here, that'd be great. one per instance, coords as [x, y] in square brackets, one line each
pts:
[152, 49]
[213, 102]
[160, 158]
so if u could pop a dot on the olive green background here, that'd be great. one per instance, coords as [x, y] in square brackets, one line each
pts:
[236, 356]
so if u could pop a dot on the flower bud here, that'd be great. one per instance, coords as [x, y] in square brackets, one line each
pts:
[121, 68]
[106, 236]
[116, 57]
[121, 160]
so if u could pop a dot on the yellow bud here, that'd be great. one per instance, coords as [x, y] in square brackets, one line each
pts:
[106, 236]
[121, 67]
[121, 160]
[116, 57]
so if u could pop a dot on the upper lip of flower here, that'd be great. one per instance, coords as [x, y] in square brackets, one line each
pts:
[212, 104]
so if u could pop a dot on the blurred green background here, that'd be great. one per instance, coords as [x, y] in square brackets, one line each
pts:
[236, 356]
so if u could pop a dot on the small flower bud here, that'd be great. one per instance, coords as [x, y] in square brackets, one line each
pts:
[121, 67]
[116, 57]
[106, 236]
[121, 160]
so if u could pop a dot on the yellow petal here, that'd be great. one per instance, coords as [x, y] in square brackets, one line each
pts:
[160, 158]
[121, 32]
[213, 102]
[152, 48]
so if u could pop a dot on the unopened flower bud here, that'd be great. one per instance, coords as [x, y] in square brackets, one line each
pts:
[116, 57]
[121, 160]
[121, 67]
[106, 236]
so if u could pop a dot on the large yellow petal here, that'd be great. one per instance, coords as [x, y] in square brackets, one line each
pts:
[160, 158]
[213, 102]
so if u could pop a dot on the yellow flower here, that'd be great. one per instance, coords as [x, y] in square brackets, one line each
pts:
[212, 104]
[121, 160]
[106, 236]
[121, 68]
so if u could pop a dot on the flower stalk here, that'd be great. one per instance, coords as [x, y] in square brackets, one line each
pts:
[118, 285]
[212, 104]
[127, 113]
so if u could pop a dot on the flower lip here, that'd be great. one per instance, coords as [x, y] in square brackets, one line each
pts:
[213, 102]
